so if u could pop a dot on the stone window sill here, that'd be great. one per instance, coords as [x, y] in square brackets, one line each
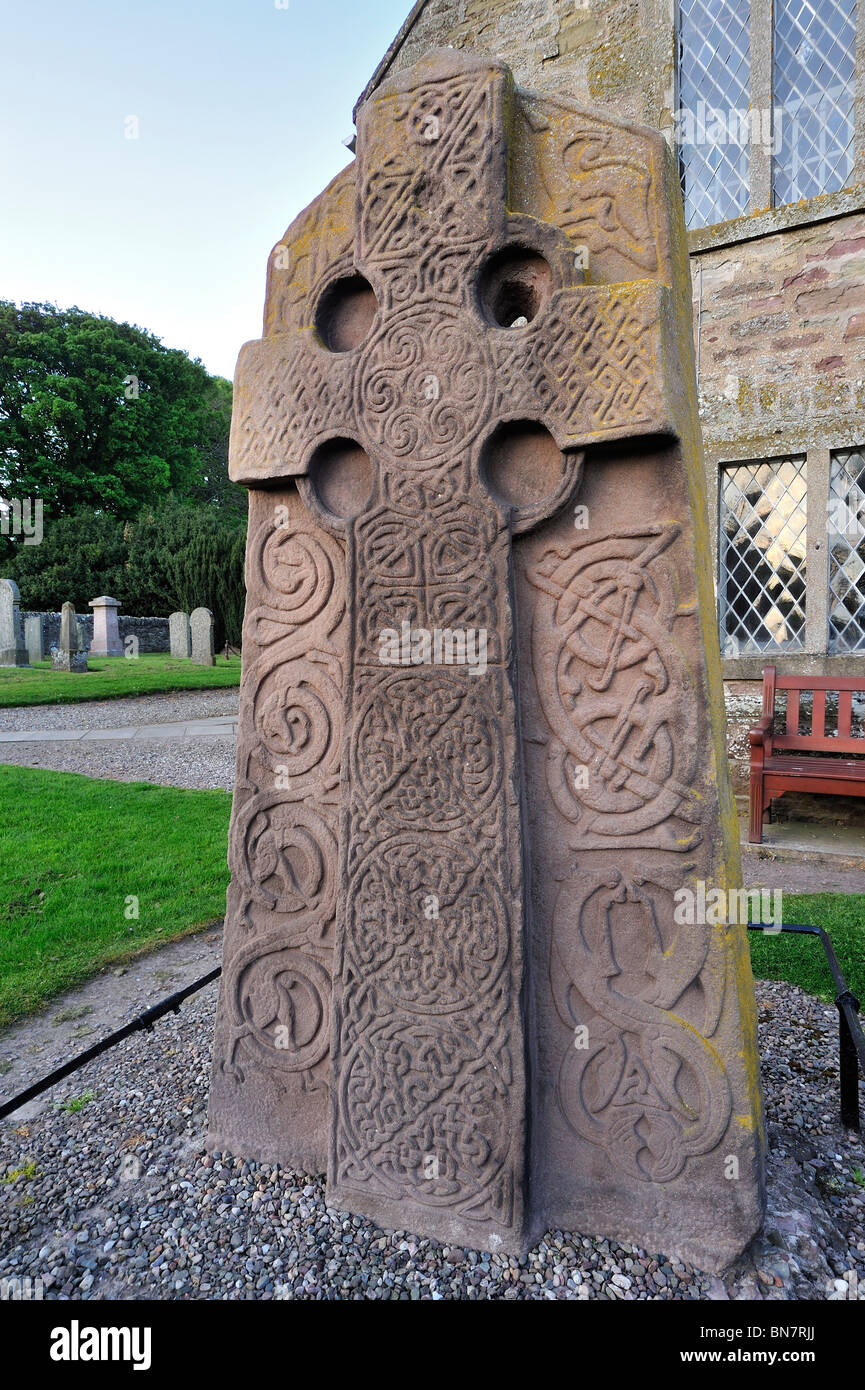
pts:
[745, 668]
[769, 221]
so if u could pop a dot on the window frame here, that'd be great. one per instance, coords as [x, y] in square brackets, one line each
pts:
[813, 657]
[677, 106]
[760, 175]
[770, 652]
[832, 649]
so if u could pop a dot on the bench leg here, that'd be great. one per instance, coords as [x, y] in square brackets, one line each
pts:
[755, 830]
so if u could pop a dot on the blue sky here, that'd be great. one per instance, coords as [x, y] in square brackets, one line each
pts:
[242, 106]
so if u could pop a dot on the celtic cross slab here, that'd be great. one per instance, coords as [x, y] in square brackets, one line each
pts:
[434, 401]
[481, 750]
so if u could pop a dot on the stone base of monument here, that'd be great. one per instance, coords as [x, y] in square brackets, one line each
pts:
[110, 651]
[69, 661]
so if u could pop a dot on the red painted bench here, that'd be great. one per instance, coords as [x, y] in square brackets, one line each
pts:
[776, 769]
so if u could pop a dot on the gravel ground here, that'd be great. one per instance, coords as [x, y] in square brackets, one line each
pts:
[116, 714]
[202, 763]
[117, 1199]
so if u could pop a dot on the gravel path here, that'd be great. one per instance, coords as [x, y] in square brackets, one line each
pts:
[76, 1019]
[815, 874]
[117, 1199]
[200, 763]
[114, 714]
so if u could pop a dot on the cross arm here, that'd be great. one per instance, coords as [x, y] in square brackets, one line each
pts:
[290, 394]
[596, 363]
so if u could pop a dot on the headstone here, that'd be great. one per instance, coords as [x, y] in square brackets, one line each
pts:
[178, 628]
[12, 650]
[33, 640]
[201, 636]
[70, 631]
[106, 632]
[70, 654]
[482, 796]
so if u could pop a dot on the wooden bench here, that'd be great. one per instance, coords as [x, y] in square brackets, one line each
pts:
[776, 769]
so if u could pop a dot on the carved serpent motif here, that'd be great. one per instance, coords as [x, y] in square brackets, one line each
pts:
[648, 1087]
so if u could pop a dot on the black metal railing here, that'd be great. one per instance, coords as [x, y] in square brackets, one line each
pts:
[851, 1039]
[144, 1021]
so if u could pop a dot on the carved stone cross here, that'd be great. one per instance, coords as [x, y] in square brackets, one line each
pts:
[432, 388]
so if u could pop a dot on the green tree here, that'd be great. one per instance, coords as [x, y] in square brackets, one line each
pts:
[213, 483]
[172, 556]
[100, 414]
[209, 573]
[155, 544]
[80, 557]
[183, 556]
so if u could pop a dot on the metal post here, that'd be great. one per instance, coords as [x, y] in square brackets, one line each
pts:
[848, 1062]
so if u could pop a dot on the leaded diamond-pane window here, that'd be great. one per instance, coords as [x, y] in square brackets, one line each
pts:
[814, 59]
[714, 81]
[847, 551]
[762, 570]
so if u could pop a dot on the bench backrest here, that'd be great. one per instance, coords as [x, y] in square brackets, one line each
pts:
[844, 740]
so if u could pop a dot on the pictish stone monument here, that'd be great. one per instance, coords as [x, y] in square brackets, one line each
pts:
[70, 654]
[179, 639]
[33, 639]
[12, 649]
[106, 631]
[201, 636]
[481, 768]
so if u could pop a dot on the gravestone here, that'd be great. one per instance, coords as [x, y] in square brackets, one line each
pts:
[33, 640]
[178, 628]
[481, 767]
[69, 655]
[201, 636]
[12, 650]
[106, 632]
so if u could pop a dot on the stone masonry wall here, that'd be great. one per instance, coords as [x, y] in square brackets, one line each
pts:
[610, 51]
[152, 633]
[782, 338]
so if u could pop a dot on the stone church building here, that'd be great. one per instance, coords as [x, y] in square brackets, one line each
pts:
[764, 101]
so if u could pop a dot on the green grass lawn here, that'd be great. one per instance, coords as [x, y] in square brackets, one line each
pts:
[76, 850]
[800, 959]
[111, 676]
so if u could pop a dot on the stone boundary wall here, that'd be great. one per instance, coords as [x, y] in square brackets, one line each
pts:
[152, 633]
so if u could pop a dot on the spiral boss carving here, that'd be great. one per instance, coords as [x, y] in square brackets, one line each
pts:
[427, 901]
